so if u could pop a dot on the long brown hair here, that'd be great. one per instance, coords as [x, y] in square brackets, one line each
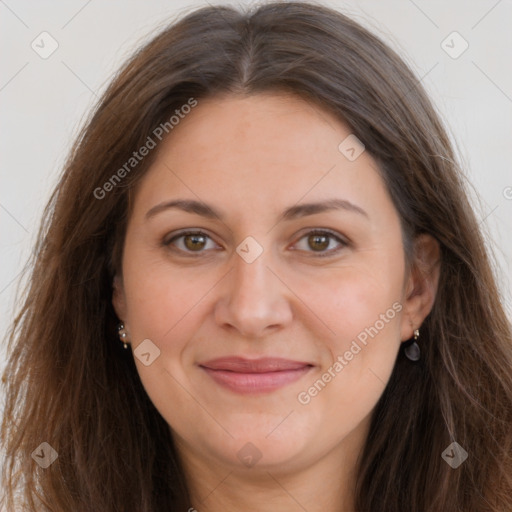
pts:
[69, 382]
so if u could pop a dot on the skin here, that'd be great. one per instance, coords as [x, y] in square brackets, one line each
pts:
[251, 158]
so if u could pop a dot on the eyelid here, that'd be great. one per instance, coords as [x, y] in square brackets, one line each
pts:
[167, 241]
[324, 231]
[310, 231]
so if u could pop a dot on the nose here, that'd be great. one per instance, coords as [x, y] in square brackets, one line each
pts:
[254, 301]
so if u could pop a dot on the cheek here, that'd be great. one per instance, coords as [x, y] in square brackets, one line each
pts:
[161, 300]
[355, 302]
[164, 306]
[362, 309]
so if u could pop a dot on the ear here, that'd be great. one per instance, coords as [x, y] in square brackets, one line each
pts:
[118, 297]
[421, 285]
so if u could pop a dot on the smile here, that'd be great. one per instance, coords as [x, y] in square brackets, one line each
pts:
[246, 376]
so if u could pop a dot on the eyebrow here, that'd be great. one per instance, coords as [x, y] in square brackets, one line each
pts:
[293, 212]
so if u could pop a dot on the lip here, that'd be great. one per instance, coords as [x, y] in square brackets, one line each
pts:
[248, 376]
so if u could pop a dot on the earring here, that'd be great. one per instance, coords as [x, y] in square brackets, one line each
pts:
[412, 351]
[122, 334]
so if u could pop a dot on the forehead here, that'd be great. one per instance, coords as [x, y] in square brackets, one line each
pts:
[277, 122]
[262, 150]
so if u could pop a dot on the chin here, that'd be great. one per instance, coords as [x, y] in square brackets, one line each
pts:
[260, 448]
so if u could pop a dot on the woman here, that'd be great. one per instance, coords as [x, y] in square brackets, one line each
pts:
[260, 285]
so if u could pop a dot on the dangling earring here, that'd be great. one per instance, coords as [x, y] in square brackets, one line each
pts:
[412, 351]
[122, 334]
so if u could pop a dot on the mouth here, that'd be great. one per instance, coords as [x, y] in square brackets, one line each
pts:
[250, 376]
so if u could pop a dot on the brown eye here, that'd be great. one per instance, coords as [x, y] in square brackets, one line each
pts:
[190, 242]
[316, 242]
[194, 242]
[319, 241]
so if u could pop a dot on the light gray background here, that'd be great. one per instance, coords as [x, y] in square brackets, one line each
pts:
[43, 101]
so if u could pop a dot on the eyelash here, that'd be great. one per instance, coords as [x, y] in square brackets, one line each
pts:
[323, 254]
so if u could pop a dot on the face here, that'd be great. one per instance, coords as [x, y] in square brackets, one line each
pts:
[257, 319]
